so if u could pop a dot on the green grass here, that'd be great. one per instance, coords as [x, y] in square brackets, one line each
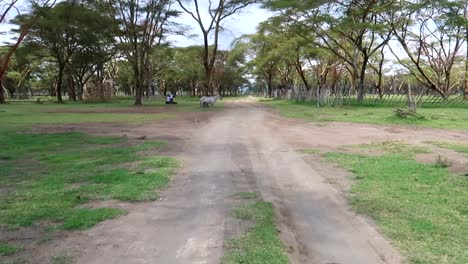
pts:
[450, 145]
[50, 114]
[421, 208]
[86, 218]
[26, 112]
[390, 147]
[308, 151]
[261, 243]
[247, 195]
[453, 117]
[49, 175]
[61, 259]
[6, 249]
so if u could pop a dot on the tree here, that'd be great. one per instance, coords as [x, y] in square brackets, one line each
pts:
[465, 91]
[352, 30]
[95, 50]
[432, 37]
[7, 7]
[142, 27]
[69, 30]
[23, 64]
[218, 12]
[265, 60]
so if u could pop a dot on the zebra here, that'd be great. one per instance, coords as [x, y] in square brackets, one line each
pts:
[209, 101]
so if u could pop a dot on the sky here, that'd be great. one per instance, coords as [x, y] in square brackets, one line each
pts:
[239, 24]
[244, 22]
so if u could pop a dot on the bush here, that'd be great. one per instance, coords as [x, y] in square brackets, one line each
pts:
[442, 162]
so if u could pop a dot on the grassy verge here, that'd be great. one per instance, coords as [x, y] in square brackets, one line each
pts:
[391, 147]
[51, 114]
[6, 249]
[421, 208]
[78, 112]
[62, 259]
[449, 145]
[47, 176]
[261, 243]
[438, 117]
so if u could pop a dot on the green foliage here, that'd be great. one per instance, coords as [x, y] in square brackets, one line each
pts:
[421, 208]
[261, 243]
[6, 249]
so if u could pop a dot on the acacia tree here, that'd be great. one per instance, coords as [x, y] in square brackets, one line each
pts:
[266, 61]
[24, 63]
[6, 10]
[142, 27]
[218, 12]
[96, 49]
[68, 30]
[352, 30]
[432, 37]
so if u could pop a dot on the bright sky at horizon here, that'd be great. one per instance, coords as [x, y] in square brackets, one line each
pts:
[245, 22]
[239, 24]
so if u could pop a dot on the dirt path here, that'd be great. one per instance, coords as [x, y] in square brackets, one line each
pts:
[237, 150]
[314, 217]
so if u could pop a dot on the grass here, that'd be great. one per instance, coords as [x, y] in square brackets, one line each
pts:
[50, 114]
[261, 243]
[442, 162]
[49, 175]
[61, 259]
[390, 147]
[27, 112]
[247, 195]
[454, 117]
[421, 208]
[308, 151]
[86, 218]
[6, 249]
[450, 145]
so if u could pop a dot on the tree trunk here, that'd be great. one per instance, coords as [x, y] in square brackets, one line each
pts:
[71, 89]
[59, 84]
[194, 92]
[466, 80]
[362, 76]
[466, 58]
[2, 95]
[138, 92]
[466, 69]
[270, 88]
[138, 84]
[80, 91]
[138, 96]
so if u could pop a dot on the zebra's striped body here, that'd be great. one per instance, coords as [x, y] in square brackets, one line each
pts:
[209, 101]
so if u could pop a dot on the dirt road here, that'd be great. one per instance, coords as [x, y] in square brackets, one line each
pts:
[238, 150]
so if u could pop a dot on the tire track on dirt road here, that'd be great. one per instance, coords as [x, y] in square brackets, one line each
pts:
[314, 217]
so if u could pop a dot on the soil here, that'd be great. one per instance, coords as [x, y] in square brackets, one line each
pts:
[244, 148]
